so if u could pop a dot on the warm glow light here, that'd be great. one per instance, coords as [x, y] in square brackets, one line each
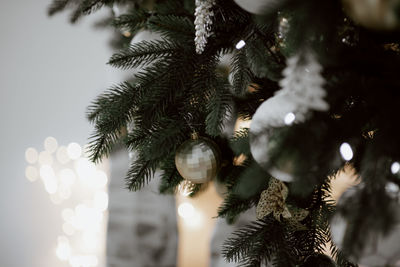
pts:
[50, 144]
[86, 218]
[74, 150]
[64, 191]
[240, 44]
[101, 179]
[62, 155]
[86, 171]
[83, 261]
[67, 177]
[90, 240]
[31, 173]
[289, 118]
[395, 168]
[48, 178]
[45, 158]
[100, 200]
[67, 214]
[186, 210]
[31, 155]
[68, 229]
[63, 250]
[346, 151]
[194, 221]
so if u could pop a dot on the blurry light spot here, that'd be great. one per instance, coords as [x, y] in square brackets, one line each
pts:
[392, 188]
[91, 240]
[101, 200]
[63, 250]
[86, 170]
[62, 155]
[194, 221]
[31, 155]
[289, 118]
[101, 178]
[67, 177]
[31, 173]
[186, 210]
[346, 151]
[50, 144]
[68, 229]
[395, 168]
[67, 214]
[45, 158]
[240, 44]
[55, 198]
[74, 150]
[64, 191]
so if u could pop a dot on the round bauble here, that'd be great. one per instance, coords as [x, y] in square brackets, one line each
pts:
[378, 250]
[255, 6]
[269, 115]
[373, 14]
[198, 160]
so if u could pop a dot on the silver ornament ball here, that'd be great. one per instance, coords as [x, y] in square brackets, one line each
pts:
[198, 160]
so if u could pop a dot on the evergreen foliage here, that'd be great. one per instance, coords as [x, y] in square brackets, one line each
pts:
[176, 91]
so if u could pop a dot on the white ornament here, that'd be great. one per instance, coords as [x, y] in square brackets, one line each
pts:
[202, 23]
[255, 6]
[301, 92]
[378, 251]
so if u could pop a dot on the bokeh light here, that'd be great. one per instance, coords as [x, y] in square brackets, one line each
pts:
[31, 155]
[74, 150]
[50, 144]
[31, 173]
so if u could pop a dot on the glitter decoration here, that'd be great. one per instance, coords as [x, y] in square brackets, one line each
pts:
[202, 22]
[198, 160]
[273, 200]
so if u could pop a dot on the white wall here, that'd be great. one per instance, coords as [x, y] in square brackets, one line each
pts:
[49, 72]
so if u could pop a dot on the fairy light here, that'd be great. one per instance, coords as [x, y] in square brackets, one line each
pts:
[395, 168]
[50, 144]
[346, 151]
[240, 44]
[31, 155]
[289, 118]
[186, 210]
[68, 176]
[74, 150]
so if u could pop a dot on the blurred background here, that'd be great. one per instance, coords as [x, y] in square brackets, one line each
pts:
[53, 212]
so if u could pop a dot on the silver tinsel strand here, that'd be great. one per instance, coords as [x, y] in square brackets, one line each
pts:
[203, 23]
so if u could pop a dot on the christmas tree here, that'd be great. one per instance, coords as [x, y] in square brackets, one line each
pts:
[317, 79]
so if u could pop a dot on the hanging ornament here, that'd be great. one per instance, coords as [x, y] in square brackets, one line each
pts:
[273, 200]
[378, 250]
[255, 6]
[202, 22]
[374, 14]
[301, 92]
[198, 159]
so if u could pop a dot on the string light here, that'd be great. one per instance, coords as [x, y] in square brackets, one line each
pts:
[74, 150]
[395, 168]
[346, 151]
[31, 155]
[289, 118]
[50, 144]
[240, 44]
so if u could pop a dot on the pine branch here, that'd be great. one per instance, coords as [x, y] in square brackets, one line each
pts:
[143, 53]
[140, 173]
[172, 27]
[219, 105]
[241, 74]
[133, 21]
[57, 6]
